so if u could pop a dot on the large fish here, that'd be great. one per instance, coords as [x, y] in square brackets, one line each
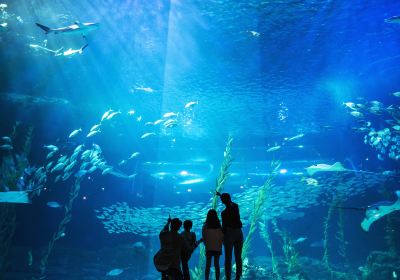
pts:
[378, 210]
[77, 28]
[336, 167]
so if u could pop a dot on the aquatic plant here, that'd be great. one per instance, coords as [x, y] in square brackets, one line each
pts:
[12, 167]
[390, 235]
[7, 229]
[263, 225]
[62, 225]
[259, 207]
[289, 251]
[223, 175]
[340, 236]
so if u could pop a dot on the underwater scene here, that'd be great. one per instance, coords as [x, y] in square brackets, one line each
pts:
[120, 117]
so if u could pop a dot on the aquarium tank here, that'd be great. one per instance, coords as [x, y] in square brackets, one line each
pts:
[118, 116]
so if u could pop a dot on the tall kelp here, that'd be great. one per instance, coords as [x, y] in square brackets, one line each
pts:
[14, 163]
[336, 204]
[259, 206]
[264, 233]
[197, 272]
[61, 226]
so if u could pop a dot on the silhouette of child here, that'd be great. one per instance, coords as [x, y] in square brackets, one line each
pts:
[212, 237]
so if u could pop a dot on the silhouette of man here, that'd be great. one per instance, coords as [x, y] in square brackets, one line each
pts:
[168, 259]
[233, 235]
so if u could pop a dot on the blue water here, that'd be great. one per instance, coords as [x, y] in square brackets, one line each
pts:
[258, 71]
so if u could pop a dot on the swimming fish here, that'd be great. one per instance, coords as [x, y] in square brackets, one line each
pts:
[71, 52]
[170, 115]
[393, 19]
[80, 28]
[93, 133]
[145, 89]
[254, 33]
[50, 147]
[135, 154]
[115, 272]
[6, 147]
[300, 240]
[350, 105]
[396, 94]
[53, 204]
[75, 132]
[272, 149]
[113, 114]
[106, 114]
[294, 137]
[190, 104]
[148, 134]
[6, 139]
[336, 167]
[378, 210]
[356, 114]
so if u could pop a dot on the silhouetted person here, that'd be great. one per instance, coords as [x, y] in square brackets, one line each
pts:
[168, 258]
[189, 244]
[233, 235]
[212, 237]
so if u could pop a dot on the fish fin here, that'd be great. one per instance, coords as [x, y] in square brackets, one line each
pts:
[84, 47]
[310, 171]
[338, 166]
[45, 28]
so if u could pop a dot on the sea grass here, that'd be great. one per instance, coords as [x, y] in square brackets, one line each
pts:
[197, 272]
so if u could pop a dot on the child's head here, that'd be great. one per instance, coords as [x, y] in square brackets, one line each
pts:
[175, 224]
[212, 220]
[187, 225]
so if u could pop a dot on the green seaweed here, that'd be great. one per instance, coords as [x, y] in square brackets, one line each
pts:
[259, 207]
[289, 251]
[61, 226]
[12, 167]
[265, 235]
[198, 271]
[7, 228]
[340, 236]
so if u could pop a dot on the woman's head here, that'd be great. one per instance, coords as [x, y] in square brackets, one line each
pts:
[212, 220]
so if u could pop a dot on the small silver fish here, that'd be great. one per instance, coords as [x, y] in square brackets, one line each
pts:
[272, 149]
[53, 204]
[75, 132]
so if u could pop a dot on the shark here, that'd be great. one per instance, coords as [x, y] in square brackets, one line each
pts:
[44, 49]
[71, 52]
[76, 28]
[336, 167]
[379, 210]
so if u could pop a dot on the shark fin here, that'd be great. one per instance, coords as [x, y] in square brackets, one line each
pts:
[45, 28]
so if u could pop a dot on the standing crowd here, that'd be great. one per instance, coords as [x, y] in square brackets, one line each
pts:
[172, 260]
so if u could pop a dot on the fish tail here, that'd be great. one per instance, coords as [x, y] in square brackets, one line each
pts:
[45, 28]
